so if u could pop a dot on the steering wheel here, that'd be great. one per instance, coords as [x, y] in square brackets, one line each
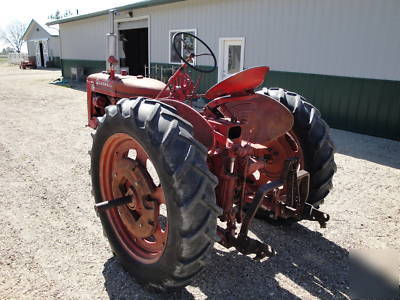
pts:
[183, 37]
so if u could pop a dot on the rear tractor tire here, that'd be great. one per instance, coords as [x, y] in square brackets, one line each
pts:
[318, 149]
[143, 149]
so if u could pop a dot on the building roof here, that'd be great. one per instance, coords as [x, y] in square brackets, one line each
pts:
[137, 4]
[51, 31]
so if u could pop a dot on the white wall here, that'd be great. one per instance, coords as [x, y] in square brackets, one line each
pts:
[53, 41]
[31, 48]
[54, 46]
[37, 32]
[84, 39]
[356, 38]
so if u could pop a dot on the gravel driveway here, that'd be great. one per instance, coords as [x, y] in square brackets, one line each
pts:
[51, 242]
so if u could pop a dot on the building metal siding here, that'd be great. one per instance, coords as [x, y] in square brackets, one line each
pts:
[354, 38]
[89, 66]
[368, 106]
[341, 55]
[84, 39]
[341, 38]
[54, 46]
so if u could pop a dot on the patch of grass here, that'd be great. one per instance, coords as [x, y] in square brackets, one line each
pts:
[3, 60]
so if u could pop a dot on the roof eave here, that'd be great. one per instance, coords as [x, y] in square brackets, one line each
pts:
[141, 4]
[27, 29]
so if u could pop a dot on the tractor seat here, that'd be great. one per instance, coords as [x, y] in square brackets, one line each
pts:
[240, 82]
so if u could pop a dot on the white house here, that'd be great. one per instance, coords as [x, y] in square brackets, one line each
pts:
[343, 56]
[43, 44]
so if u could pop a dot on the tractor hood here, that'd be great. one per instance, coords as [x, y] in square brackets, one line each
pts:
[126, 86]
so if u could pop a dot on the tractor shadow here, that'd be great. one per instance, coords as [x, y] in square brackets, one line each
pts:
[120, 285]
[307, 265]
[374, 149]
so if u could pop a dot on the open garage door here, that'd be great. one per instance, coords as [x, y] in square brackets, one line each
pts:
[134, 41]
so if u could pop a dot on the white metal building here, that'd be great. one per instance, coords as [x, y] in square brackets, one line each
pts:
[341, 55]
[43, 44]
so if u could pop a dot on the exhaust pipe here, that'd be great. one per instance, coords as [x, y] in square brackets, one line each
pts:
[111, 44]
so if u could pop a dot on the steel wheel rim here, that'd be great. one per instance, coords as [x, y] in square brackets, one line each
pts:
[139, 226]
[287, 146]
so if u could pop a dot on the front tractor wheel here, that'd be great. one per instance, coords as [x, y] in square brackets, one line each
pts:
[144, 151]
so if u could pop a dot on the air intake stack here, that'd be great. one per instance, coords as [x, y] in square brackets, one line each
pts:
[112, 45]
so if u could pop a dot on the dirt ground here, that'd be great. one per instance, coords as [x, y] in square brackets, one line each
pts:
[51, 242]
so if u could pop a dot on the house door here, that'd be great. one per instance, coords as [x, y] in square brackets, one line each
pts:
[41, 54]
[39, 59]
[231, 57]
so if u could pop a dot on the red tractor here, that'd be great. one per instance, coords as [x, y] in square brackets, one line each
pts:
[164, 170]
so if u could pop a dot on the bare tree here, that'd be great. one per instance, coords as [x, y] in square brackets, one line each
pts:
[58, 15]
[13, 34]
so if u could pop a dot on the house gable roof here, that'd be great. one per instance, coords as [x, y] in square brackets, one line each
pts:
[137, 4]
[49, 30]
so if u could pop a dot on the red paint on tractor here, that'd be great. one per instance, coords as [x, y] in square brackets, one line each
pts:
[125, 86]
[203, 131]
[252, 150]
[249, 112]
[239, 83]
[112, 87]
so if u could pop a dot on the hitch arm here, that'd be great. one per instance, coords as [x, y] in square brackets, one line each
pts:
[313, 214]
[242, 242]
[260, 194]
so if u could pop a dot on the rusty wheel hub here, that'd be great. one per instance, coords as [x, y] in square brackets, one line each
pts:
[140, 215]
[141, 225]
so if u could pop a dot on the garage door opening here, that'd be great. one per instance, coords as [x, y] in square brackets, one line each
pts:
[136, 51]
[41, 64]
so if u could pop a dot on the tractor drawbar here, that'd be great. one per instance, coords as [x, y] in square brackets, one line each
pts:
[105, 205]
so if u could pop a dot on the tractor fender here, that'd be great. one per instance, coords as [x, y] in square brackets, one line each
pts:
[202, 130]
[262, 119]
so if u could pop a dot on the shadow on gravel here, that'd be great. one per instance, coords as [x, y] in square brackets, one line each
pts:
[305, 259]
[45, 69]
[307, 265]
[75, 85]
[119, 285]
[378, 150]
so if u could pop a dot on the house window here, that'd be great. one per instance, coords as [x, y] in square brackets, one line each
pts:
[190, 45]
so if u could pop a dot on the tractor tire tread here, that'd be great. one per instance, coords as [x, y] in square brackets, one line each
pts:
[184, 159]
[313, 133]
